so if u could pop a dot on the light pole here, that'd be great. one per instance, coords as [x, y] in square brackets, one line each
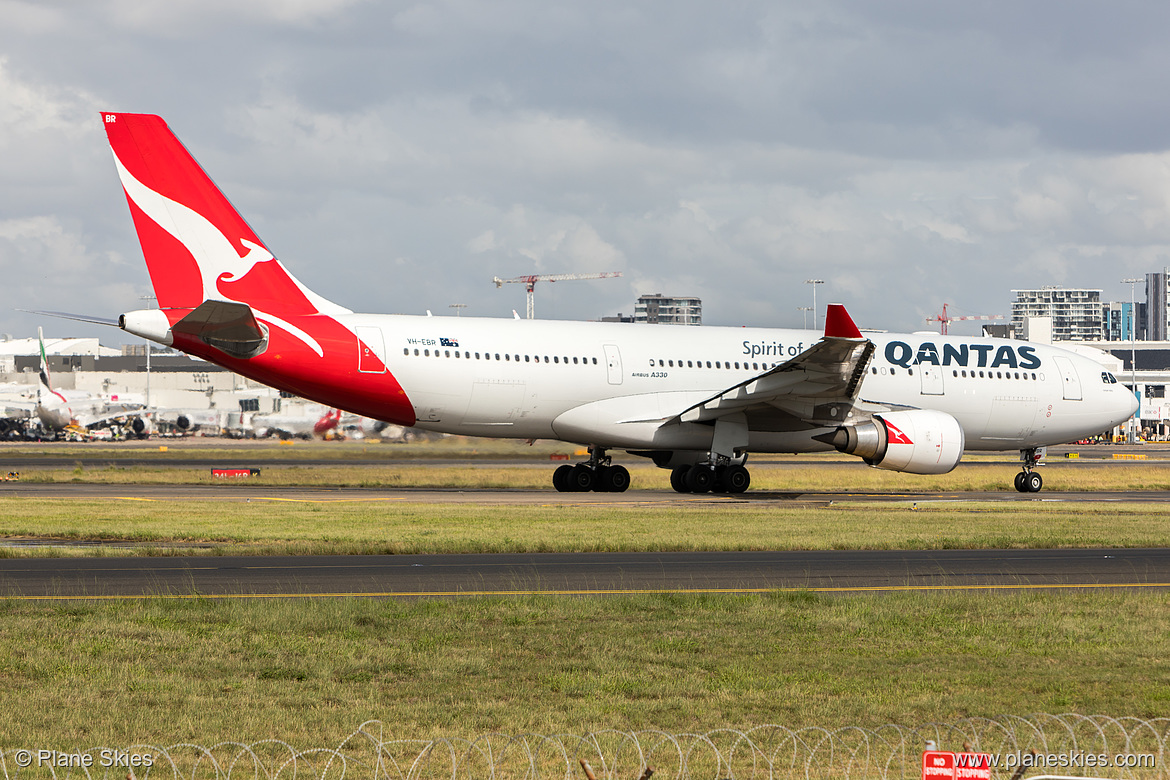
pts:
[805, 310]
[458, 307]
[1133, 354]
[814, 283]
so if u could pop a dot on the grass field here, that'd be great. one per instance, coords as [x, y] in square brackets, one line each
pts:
[834, 476]
[374, 527]
[117, 673]
[308, 671]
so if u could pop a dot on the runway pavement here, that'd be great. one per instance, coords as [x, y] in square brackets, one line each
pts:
[406, 576]
[520, 497]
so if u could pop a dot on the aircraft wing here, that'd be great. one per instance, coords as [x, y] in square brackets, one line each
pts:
[112, 416]
[818, 387]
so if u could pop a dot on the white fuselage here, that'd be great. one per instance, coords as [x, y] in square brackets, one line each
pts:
[614, 384]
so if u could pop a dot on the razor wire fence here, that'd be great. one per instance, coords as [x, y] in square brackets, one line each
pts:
[1038, 744]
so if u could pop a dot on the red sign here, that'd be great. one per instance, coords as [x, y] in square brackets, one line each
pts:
[235, 473]
[942, 765]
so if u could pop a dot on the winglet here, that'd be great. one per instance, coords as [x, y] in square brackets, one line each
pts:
[838, 323]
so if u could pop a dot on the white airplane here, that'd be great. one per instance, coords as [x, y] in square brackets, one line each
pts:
[81, 412]
[694, 400]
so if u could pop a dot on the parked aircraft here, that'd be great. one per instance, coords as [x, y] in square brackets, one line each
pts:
[80, 412]
[694, 400]
[314, 421]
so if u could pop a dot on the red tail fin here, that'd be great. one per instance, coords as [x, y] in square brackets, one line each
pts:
[197, 246]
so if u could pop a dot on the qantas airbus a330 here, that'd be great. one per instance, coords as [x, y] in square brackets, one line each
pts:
[694, 400]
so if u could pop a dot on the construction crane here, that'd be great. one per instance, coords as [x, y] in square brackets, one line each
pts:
[945, 319]
[530, 281]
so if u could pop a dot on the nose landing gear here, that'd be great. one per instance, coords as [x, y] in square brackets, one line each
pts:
[1029, 481]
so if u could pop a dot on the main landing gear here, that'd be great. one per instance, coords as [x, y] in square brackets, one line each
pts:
[598, 474]
[1029, 481]
[703, 477]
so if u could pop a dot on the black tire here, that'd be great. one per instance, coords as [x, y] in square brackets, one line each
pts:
[736, 479]
[1019, 482]
[700, 478]
[561, 478]
[614, 479]
[1034, 482]
[678, 479]
[582, 479]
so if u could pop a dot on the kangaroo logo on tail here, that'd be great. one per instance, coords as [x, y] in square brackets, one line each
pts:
[168, 190]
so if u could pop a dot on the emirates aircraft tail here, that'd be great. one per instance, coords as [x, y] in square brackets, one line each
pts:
[222, 295]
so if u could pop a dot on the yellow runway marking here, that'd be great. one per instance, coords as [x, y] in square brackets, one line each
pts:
[270, 498]
[595, 592]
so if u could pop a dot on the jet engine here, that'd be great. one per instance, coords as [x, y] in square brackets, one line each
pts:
[142, 426]
[917, 441]
[183, 423]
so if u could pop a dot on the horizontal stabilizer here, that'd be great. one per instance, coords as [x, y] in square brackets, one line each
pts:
[78, 317]
[229, 327]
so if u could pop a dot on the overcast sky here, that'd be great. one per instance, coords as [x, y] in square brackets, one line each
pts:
[396, 155]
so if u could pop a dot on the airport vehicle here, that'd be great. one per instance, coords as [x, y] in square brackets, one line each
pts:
[694, 400]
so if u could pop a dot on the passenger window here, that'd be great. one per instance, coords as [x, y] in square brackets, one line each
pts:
[556, 359]
[416, 353]
[426, 353]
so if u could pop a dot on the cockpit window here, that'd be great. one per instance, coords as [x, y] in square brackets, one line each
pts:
[1108, 378]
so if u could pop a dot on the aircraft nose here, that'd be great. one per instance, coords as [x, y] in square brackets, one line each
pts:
[1129, 405]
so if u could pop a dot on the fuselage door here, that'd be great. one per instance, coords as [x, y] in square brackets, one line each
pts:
[371, 349]
[932, 379]
[1069, 379]
[613, 364]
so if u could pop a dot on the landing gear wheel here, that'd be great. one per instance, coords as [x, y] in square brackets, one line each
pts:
[1019, 482]
[678, 479]
[1034, 482]
[612, 479]
[736, 479]
[561, 478]
[581, 479]
[700, 478]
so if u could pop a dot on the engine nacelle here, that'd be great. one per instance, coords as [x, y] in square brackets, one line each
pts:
[183, 422]
[918, 441]
[142, 426]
